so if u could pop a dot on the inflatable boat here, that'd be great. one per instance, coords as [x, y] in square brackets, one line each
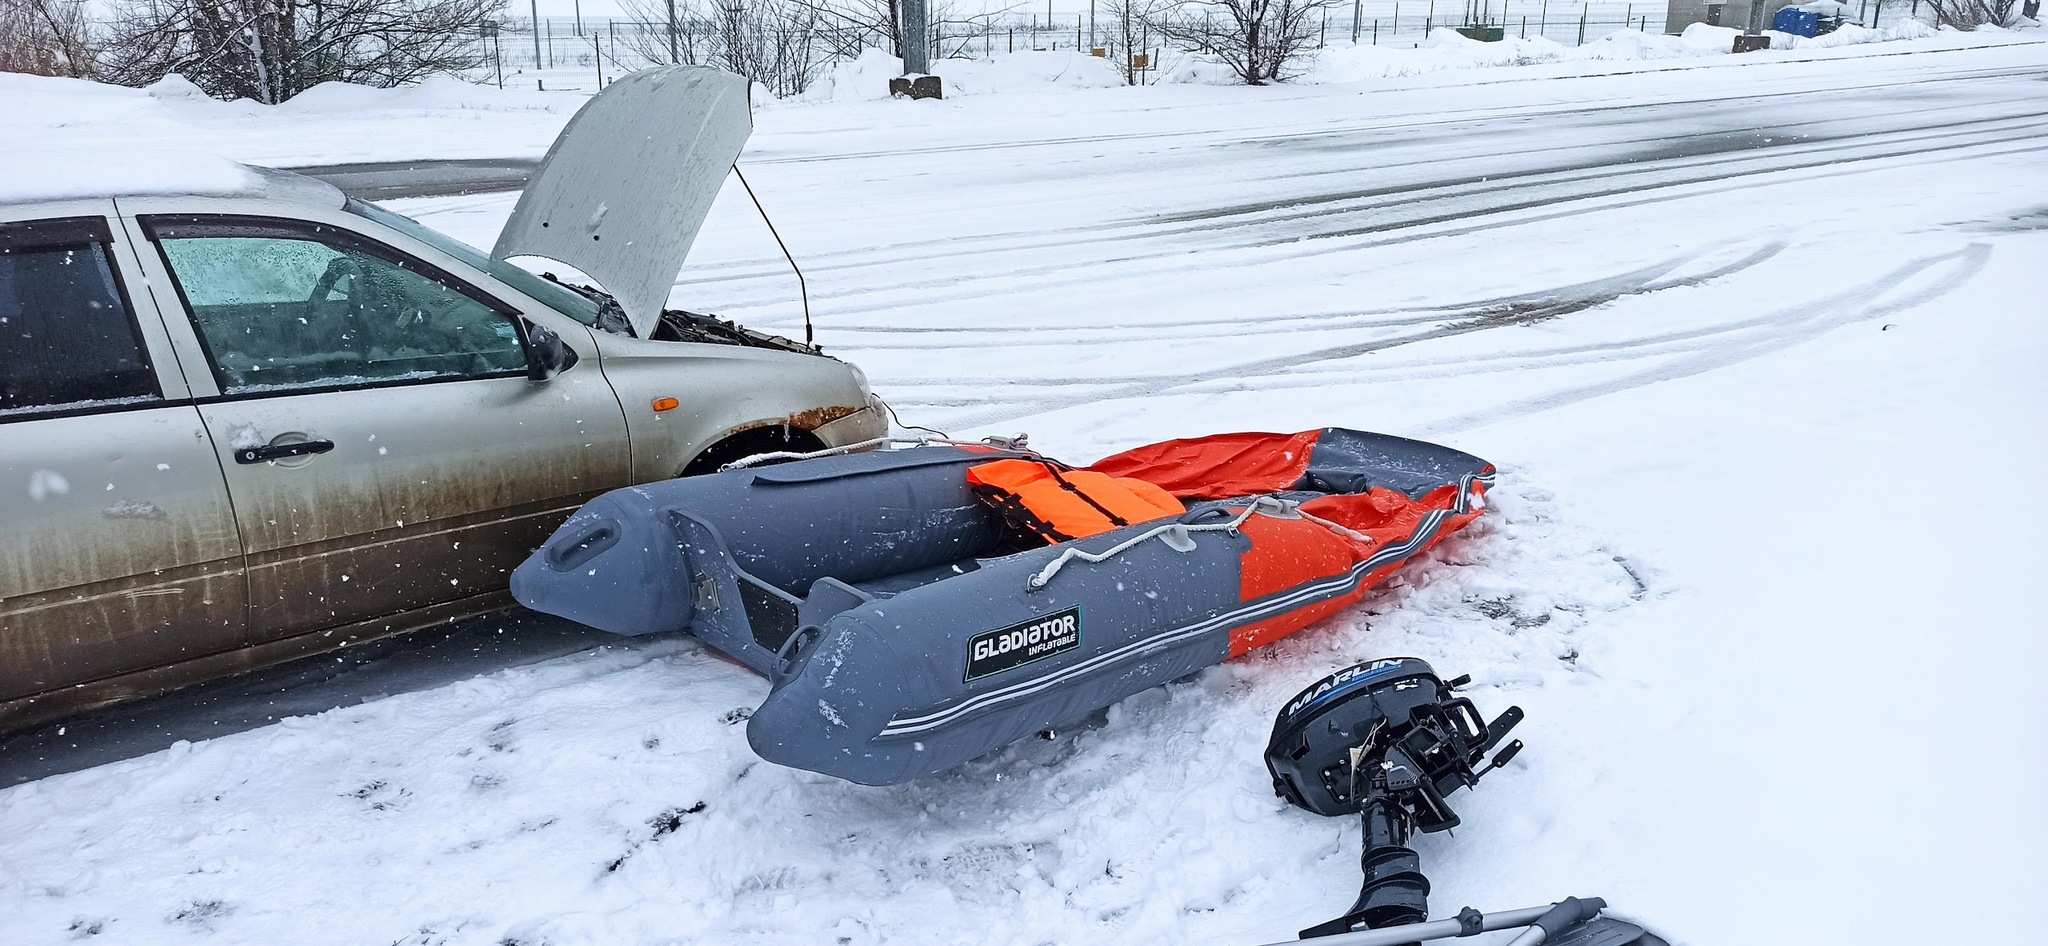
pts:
[916, 608]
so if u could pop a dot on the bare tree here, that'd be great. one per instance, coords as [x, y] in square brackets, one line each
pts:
[666, 32]
[1259, 40]
[774, 42]
[854, 25]
[271, 50]
[46, 38]
[781, 44]
[1970, 14]
[1131, 32]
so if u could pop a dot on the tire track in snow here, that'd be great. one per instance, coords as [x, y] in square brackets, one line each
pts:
[1462, 116]
[1601, 292]
[1457, 216]
[1233, 326]
[1778, 139]
[1797, 324]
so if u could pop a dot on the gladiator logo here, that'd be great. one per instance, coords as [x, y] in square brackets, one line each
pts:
[1019, 644]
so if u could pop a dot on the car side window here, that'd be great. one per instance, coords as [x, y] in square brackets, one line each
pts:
[284, 306]
[67, 337]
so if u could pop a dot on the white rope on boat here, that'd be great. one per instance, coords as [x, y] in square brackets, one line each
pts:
[760, 458]
[1339, 528]
[1176, 536]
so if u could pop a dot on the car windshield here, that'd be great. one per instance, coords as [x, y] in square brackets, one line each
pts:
[562, 299]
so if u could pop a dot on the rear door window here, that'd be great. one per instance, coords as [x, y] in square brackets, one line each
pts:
[288, 306]
[68, 339]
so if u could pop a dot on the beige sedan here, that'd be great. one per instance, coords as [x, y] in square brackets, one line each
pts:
[244, 419]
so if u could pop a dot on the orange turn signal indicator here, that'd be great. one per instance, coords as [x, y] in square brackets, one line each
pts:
[666, 404]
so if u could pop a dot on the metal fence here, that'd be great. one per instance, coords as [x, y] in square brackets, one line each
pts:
[587, 49]
[585, 43]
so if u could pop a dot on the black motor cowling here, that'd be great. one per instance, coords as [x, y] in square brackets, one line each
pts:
[1396, 711]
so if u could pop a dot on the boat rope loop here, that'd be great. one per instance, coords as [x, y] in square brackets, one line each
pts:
[1176, 535]
[999, 443]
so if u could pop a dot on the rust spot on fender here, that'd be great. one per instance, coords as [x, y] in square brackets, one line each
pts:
[811, 419]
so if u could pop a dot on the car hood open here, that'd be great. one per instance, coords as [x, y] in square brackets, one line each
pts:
[626, 186]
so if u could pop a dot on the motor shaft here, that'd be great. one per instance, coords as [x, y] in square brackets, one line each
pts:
[1395, 892]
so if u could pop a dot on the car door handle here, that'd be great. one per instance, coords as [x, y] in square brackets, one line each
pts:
[265, 454]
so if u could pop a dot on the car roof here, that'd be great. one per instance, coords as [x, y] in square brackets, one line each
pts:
[30, 176]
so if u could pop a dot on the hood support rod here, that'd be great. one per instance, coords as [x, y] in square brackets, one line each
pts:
[802, 289]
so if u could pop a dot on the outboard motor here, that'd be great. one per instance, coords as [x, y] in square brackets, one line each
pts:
[1389, 740]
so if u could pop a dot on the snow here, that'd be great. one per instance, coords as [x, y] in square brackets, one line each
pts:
[1850, 34]
[867, 77]
[332, 123]
[42, 484]
[1758, 352]
[60, 174]
[1448, 50]
[32, 174]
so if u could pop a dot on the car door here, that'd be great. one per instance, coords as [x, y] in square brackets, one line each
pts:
[118, 548]
[385, 449]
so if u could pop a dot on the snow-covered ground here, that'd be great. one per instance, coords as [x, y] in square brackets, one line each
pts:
[1759, 351]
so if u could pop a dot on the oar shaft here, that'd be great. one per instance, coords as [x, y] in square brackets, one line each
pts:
[1434, 929]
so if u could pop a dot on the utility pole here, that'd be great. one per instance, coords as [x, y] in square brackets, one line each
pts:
[534, 5]
[579, 17]
[917, 82]
[497, 50]
[672, 57]
[916, 39]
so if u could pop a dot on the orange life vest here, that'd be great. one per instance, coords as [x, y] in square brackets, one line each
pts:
[1059, 504]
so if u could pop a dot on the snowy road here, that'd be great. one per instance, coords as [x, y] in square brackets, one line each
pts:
[1757, 348]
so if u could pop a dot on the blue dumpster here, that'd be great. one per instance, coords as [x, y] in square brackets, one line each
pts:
[1797, 22]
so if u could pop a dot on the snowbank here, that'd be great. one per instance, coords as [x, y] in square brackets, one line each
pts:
[63, 174]
[1852, 35]
[329, 123]
[867, 78]
[28, 95]
[1446, 49]
[434, 92]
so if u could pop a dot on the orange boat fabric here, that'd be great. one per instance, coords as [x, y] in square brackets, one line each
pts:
[1289, 553]
[1218, 467]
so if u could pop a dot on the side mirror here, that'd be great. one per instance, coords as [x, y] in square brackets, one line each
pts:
[546, 354]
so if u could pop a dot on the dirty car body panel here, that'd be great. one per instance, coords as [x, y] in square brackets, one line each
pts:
[118, 548]
[438, 457]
